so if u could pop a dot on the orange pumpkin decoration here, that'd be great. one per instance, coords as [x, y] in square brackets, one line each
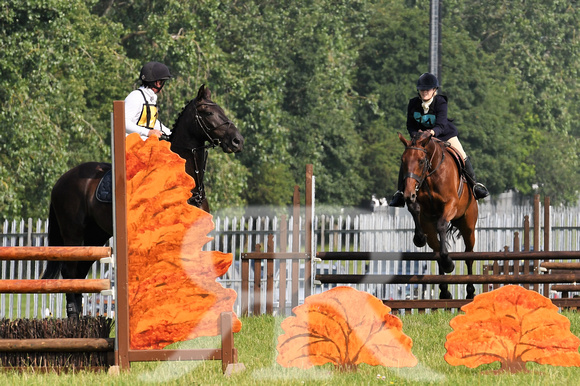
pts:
[173, 293]
[346, 327]
[511, 325]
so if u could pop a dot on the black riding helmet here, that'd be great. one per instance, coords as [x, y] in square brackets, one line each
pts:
[154, 71]
[427, 81]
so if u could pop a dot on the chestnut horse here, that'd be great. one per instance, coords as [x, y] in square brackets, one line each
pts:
[439, 199]
[78, 218]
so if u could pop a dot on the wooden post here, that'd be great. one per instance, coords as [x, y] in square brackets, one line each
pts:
[120, 239]
[536, 236]
[546, 237]
[257, 282]
[517, 248]
[245, 287]
[296, 247]
[270, 277]
[227, 336]
[308, 229]
[283, 249]
[527, 246]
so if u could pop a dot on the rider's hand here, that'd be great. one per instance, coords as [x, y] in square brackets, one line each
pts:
[155, 132]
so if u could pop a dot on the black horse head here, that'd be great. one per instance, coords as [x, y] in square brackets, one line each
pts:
[203, 124]
[204, 121]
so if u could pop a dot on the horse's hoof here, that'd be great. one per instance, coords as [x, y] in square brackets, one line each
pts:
[445, 295]
[420, 241]
[447, 265]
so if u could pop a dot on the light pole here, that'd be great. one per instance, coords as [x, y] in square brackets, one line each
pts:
[435, 39]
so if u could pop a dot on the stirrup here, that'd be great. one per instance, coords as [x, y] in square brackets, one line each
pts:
[480, 191]
[398, 200]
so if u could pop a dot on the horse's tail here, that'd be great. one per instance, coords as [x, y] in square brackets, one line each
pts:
[52, 269]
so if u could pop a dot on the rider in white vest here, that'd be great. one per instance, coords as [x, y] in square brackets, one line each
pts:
[141, 115]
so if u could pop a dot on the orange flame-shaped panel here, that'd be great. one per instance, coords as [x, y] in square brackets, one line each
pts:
[173, 293]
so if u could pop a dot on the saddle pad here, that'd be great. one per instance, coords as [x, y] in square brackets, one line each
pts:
[104, 191]
[457, 157]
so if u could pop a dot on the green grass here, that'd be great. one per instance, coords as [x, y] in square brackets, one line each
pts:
[256, 345]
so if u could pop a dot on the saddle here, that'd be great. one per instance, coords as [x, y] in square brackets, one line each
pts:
[104, 192]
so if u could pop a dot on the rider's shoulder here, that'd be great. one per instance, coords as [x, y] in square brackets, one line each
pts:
[441, 98]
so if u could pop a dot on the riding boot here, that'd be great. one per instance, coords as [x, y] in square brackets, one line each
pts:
[479, 190]
[398, 199]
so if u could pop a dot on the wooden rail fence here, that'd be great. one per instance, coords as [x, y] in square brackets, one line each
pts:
[531, 269]
[57, 286]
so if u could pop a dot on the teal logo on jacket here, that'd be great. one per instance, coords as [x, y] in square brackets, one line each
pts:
[427, 120]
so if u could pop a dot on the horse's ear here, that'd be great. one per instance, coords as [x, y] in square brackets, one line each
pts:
[405, 142]
[203, 93]
[424, 138]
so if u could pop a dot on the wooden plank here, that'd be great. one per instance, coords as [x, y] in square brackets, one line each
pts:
[174, 355]
[60, 344]
[429, 256]
[449, 279]
[274, 255]
[40, 286]
[560, 265]
[422, 304]
[566, 287]
[55, 253]
[426, 303]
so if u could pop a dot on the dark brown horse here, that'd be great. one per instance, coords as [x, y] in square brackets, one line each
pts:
[78, 218]
[439, 200]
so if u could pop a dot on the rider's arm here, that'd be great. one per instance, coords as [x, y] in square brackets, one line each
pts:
[442, 128]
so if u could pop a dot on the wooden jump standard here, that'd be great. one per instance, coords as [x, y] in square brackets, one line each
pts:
[124, 355]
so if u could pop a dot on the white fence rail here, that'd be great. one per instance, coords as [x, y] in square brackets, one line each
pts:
[382, 231]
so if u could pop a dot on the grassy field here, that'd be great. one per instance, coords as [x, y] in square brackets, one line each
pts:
[256, 345]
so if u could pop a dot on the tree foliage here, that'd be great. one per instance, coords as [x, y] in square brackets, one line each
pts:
[323, 82]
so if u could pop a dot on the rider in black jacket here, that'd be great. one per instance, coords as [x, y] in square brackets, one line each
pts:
[428, 111]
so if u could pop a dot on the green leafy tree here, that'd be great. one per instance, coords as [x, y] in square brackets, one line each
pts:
[538, 41]
[61, 69]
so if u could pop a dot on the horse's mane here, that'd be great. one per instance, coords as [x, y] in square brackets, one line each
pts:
[182, 113]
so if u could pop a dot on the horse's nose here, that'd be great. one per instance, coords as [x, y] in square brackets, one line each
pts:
[413, 197]
[238, 143]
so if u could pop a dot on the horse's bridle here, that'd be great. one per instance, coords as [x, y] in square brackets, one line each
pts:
[425, 172]
[206, 129]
